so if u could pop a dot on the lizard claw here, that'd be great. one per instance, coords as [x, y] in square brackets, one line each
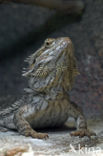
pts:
[42, 136]
[37, 135]
[82, 133]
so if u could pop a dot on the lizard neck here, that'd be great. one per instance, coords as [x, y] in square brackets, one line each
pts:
[50, 94]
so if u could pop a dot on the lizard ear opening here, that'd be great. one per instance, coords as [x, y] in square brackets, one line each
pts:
[33, 61]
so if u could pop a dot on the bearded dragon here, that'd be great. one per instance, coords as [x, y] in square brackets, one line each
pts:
[51, 73]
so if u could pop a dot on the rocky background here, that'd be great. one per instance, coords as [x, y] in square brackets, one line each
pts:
[23, 29]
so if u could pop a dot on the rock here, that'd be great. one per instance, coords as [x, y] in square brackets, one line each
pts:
[59, 143]
[19, 22]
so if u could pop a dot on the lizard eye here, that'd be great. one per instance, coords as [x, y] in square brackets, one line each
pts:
[49, 42]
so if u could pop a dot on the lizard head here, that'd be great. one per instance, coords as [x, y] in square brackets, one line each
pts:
[52, 66]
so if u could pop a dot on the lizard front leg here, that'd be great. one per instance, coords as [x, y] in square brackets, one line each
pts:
[23, 126]
[81, 123]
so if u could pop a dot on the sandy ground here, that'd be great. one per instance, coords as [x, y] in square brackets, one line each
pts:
[59, 143]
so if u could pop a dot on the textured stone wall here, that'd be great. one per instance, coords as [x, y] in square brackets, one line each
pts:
[19, 31]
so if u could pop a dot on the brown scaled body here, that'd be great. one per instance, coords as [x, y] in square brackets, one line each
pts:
[51, 73]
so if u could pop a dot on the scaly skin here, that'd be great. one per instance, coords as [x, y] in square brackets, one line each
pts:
[51, 73]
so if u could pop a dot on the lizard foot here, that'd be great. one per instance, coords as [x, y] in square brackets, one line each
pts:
[82, 133]
[40, 135]
[2, 129]
[34, 134]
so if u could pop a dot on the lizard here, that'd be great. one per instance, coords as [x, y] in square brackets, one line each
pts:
[50, 73]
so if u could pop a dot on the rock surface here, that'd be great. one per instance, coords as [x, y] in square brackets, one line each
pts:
[19, 37]
[59, 143]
